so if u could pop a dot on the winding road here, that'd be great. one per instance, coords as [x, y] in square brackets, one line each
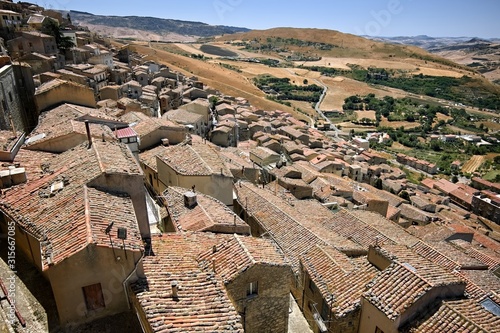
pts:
[318, 110]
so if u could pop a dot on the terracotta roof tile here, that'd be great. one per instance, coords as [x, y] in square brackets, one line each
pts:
[148, 157]
[395, 289]
[8, 139]
[464, 316]
[340, 280]
[99, 204]
[202, 304]
[446, 255]
[53, 206]
[238, 254]
[286, 225]
[209, 214]
[196, 159]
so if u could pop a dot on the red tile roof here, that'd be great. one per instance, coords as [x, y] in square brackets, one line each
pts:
[202, 304]
[209, 214]
[126, 132]
[197, 159]
[54, 207]
[340, 280]
[288, 226]
[238, 254]
[447, 256]
[464, 316]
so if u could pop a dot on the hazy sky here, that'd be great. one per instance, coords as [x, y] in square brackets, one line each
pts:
[438, 18]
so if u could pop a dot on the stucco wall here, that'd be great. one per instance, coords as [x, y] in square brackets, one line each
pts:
[217, 186]
[90, 266]
[174, 136]
[66, 93]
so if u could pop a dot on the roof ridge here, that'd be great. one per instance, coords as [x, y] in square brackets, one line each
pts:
[206, 213]
[87, 215]
[439, 252]
[368, 225]
[464, 317]
[247, 252]
[320, 247]
[200, 158]
[414, 272]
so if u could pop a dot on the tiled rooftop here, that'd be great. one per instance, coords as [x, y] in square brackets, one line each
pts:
[349, 226]
[33, 162]
[63, 120]
[464, 316]
[182, 116]
[386, 227]
[202, 304]
[238, 254]
[484, 255]
[401, 284]
[485, 280]
[148, 157]
[116, 209]
[196, 159]
[53, 207]
[208, 215]
[338, 276]
[263, 152]
[8, 139]
[424, 268]
[56, 83]
[447, 256]
[286, 225]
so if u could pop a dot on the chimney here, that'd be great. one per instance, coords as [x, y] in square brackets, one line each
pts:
[190, 200]
[175, 290]
[87, 127]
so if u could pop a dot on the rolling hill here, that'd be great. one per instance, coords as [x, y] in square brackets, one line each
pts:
[149, 28]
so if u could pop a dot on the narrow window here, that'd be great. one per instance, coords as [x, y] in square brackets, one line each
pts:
[252, 289]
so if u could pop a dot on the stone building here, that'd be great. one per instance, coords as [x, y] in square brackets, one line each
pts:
[197, 165]
[194, 211]
[81, 221]
[212, 282]
[57, 92]
[12, 112]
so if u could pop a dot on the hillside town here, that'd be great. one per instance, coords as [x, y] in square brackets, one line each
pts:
[132, 188]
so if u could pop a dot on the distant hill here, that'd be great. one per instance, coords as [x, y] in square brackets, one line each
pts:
[323, 42]
[482, 55]
[149, 27]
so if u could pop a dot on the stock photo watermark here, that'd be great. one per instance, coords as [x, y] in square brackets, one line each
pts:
[381, 18]
[222, 7]
[11, 279]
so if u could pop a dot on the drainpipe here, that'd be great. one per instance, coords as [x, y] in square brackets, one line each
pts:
[87, 127]
[129, 276]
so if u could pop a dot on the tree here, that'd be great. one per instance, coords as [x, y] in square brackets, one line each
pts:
[50, 27]
[305, 81]
[454, 179]
[404, 195]
[378, 183]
